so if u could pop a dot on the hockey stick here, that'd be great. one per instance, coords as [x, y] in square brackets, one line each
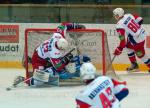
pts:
[76, 44]
[69, 52]
[111, 65]
[111, 62]
[113, 59]
[114, 70]
[75, 38]
[12, 86]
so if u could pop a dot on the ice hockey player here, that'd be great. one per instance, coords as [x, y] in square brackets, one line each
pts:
[100, 92]
[48, 59]
[132, 36]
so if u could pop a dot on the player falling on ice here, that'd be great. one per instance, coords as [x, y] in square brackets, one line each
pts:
[100, 92]
[132, 36]
[49, 60]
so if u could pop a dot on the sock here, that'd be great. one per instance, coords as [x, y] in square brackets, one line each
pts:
[132, 57]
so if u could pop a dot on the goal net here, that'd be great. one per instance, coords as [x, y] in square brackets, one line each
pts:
[91, 42]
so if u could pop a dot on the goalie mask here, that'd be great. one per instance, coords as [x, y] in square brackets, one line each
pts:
[62, 44]
[87, 71]
[118, 12]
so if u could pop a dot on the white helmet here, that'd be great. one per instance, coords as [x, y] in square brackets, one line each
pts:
[87, 71]
[118, 11]
[62, 43]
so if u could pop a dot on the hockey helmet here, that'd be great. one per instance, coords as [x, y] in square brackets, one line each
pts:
[118, 12]
[87, 71]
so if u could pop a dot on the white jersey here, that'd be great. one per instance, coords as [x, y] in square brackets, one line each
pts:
[48, 50]
[134, 32]
[99, 94]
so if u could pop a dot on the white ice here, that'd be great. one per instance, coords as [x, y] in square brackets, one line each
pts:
[63, 97]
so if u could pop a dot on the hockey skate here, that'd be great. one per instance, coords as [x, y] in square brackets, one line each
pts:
[18, 80]
[133, 68]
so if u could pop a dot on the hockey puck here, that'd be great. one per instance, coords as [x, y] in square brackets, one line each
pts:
[8, 88]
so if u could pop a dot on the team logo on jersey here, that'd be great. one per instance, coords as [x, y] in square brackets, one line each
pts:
[139, 53]
[121, 37]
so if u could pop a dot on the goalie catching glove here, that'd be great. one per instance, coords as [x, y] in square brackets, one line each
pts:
[71, 26]
[78, 26]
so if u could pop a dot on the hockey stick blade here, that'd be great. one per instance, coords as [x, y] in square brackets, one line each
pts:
[12, 86]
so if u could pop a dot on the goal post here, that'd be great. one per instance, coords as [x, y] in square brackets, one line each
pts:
[90, 42]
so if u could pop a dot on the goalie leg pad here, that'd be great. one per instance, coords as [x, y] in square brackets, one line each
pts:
[67, 75]
[41, 75]
[35, 82]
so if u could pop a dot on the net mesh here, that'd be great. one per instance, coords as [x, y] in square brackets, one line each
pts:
[91, 42]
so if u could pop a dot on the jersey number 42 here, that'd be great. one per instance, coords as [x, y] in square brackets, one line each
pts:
[106, 102]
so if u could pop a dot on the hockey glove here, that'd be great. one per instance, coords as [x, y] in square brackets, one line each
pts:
[78, 26]
[86, 58]
[118, 51]
[67, 58]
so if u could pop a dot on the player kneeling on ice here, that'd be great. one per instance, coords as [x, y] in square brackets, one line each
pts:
[100, 92]
[49, 59]
[132, 37]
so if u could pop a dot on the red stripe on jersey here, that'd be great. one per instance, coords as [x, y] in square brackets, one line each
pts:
[121, 32]
[81, 104]
[132, 58]
[138, 18]
[135, 16]
[56, 61]
[115, 82]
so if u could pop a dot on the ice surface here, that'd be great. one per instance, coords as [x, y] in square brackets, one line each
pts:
[63, 97]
